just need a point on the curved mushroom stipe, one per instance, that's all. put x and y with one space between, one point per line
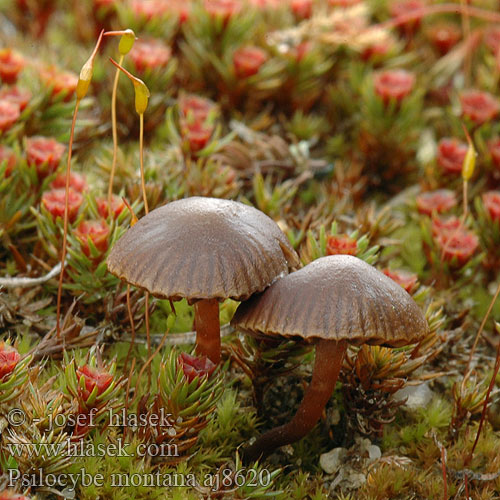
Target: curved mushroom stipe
327 365
207 325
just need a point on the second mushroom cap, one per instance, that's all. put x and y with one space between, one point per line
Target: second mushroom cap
338 297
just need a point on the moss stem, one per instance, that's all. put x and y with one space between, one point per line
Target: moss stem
132 327
141 159
66 218
115 134
148 336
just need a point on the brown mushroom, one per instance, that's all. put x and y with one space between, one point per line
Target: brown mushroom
204 250
333 301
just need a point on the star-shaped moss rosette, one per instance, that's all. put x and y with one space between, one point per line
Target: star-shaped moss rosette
468 396
335 243
45 408
270 198
12 63
249 75
451 247
23 185
49 219
189 387
90 242
93 232
197 133
213 31
157 19
14 373
208 177
389 123
92 388
45 97
373 374
57 461
307 67
16 198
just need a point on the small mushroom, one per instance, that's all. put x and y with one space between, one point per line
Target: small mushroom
333 301
205 250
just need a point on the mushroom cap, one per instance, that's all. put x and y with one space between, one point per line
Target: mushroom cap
202 248
338 297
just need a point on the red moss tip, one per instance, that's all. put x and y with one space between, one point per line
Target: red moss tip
11 64
149 54
456 245
45 153
438 201
248 60
400 8
60 82
491 38
117 206
394 84
451 155
195 108
55 199
494 149
16 95
341 245
9 357
441 225
302 8
377 50
479 106
197 135
196 366
403 278
222 9
97 231
151 9
76 181
9 114
93 377
491 201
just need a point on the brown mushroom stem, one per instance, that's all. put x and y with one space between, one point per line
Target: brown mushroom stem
329 355
207 324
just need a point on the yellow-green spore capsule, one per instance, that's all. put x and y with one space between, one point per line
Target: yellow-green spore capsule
469 163
141 96
126 42
85 78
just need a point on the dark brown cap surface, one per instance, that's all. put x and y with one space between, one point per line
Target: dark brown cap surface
336 297
202 248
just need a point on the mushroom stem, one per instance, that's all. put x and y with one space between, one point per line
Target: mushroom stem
206 319
327 364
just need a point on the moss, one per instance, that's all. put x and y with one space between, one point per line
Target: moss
309 142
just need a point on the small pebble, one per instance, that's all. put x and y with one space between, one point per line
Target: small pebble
331 462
